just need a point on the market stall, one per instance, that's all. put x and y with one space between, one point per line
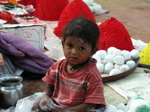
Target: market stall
116 91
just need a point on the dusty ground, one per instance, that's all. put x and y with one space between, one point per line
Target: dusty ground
134 14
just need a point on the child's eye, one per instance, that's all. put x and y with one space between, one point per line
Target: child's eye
69 45
82 48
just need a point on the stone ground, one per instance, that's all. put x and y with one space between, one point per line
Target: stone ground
134 14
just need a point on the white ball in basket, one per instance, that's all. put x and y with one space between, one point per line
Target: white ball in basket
116 52
109 58
99 60
134 54
124 68
108 67
95 56
117 66
103 62
119 111
110 50
126 54
114 72
100 67
101 54
130 63
121 106
119 59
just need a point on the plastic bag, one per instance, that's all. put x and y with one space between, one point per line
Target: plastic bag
26 104
10 109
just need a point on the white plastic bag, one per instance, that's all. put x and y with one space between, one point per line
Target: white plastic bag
26 104
10 109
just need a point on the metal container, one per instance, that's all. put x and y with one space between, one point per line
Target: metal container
11 90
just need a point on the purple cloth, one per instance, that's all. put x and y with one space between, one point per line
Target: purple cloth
24 54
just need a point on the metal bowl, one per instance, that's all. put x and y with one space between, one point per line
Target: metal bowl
10 80
11 90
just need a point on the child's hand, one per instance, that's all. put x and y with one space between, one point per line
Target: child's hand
47 104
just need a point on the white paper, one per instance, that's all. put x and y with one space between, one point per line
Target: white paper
137 83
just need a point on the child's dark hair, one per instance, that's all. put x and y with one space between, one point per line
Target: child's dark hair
82 28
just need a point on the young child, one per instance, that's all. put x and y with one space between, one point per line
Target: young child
74 83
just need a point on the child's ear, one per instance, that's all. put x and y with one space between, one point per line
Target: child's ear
94 50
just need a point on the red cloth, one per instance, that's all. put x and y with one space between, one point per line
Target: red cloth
50 9
114 34
7 17
73 89
30 2
74 9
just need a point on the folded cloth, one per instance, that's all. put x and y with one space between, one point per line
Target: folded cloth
23 54
7 17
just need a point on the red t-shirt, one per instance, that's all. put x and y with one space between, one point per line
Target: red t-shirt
71 89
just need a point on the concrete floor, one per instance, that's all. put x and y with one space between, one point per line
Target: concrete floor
134 14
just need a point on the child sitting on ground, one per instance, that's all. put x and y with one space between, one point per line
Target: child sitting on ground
74 83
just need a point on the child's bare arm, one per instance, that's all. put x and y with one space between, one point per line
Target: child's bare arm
49 90
1 60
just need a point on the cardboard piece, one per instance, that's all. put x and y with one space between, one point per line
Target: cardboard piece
112 97
33 34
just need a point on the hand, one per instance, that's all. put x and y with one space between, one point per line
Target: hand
47 104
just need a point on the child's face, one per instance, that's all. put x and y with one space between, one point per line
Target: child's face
77 50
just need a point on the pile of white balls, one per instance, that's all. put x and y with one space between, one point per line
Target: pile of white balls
115 61
119 108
